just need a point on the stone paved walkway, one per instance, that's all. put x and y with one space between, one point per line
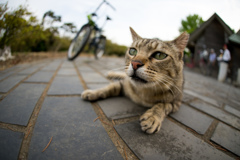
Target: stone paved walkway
43 117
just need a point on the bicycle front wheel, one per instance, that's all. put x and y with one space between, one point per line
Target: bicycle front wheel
79 42
100 47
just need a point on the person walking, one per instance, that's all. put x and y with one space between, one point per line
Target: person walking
224 61
211 61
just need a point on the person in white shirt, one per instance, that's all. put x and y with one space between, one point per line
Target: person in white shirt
224 60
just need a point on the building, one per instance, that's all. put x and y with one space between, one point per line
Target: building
213 34
234 47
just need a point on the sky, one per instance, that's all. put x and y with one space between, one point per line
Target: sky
149 18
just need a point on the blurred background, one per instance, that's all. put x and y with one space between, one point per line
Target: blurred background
33 26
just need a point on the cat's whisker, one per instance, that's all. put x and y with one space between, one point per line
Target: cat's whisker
171 83
167 87
163 81
120 68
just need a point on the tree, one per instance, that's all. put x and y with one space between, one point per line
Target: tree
21 30
52 16
69 27
13 25
191 23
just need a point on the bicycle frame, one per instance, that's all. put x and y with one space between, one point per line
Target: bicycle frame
97 31
90 34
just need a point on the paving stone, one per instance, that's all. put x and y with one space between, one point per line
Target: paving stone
227 137
65 86
69 121
10 82
67 72
17 107
171 142
204 98
217 113
14 68
234 103
6 74
40 76
120 107
105 71
10 143
193 119
29 70
187 97
96 85
84 68
232 110
67 64
51 67
93 78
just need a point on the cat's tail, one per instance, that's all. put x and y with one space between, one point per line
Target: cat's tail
116 75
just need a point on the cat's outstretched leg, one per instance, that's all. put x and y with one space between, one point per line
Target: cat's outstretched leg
116 75
151 120
113 89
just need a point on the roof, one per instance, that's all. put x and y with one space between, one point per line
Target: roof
198 31
235 37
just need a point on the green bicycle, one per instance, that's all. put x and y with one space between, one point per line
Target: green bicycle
89 33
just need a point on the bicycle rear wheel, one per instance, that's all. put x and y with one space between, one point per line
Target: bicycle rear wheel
79 42
100 47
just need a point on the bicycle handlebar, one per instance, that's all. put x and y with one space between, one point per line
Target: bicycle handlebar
104 1
110 5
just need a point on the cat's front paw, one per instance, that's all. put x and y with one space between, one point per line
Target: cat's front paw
92 95
89 95
150 122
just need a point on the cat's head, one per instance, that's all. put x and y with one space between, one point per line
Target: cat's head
153 61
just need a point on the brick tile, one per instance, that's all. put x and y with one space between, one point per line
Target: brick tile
52 66
187 97
10 143
193 119
217 113
67 72
29 70
67 64
65 86
204 98
69 120
96 85
172 142
232 110
40 76
120 107
93 78
84 68
18 106
10 82
227 137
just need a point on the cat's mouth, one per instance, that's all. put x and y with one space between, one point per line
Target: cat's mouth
138 79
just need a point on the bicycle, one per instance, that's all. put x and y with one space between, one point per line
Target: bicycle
89 33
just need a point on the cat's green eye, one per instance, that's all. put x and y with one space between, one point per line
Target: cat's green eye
159 55
132 51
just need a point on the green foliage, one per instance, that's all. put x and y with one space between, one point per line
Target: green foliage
52 16
21 30
69 27
191 23
115 49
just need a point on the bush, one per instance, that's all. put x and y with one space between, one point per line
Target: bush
115 49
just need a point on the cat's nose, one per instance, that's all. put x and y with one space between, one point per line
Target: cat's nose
136 64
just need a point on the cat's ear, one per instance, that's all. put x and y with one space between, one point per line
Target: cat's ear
181 42
135 36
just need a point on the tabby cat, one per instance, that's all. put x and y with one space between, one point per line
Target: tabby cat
153 78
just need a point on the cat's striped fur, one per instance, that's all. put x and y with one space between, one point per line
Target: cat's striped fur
149 81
